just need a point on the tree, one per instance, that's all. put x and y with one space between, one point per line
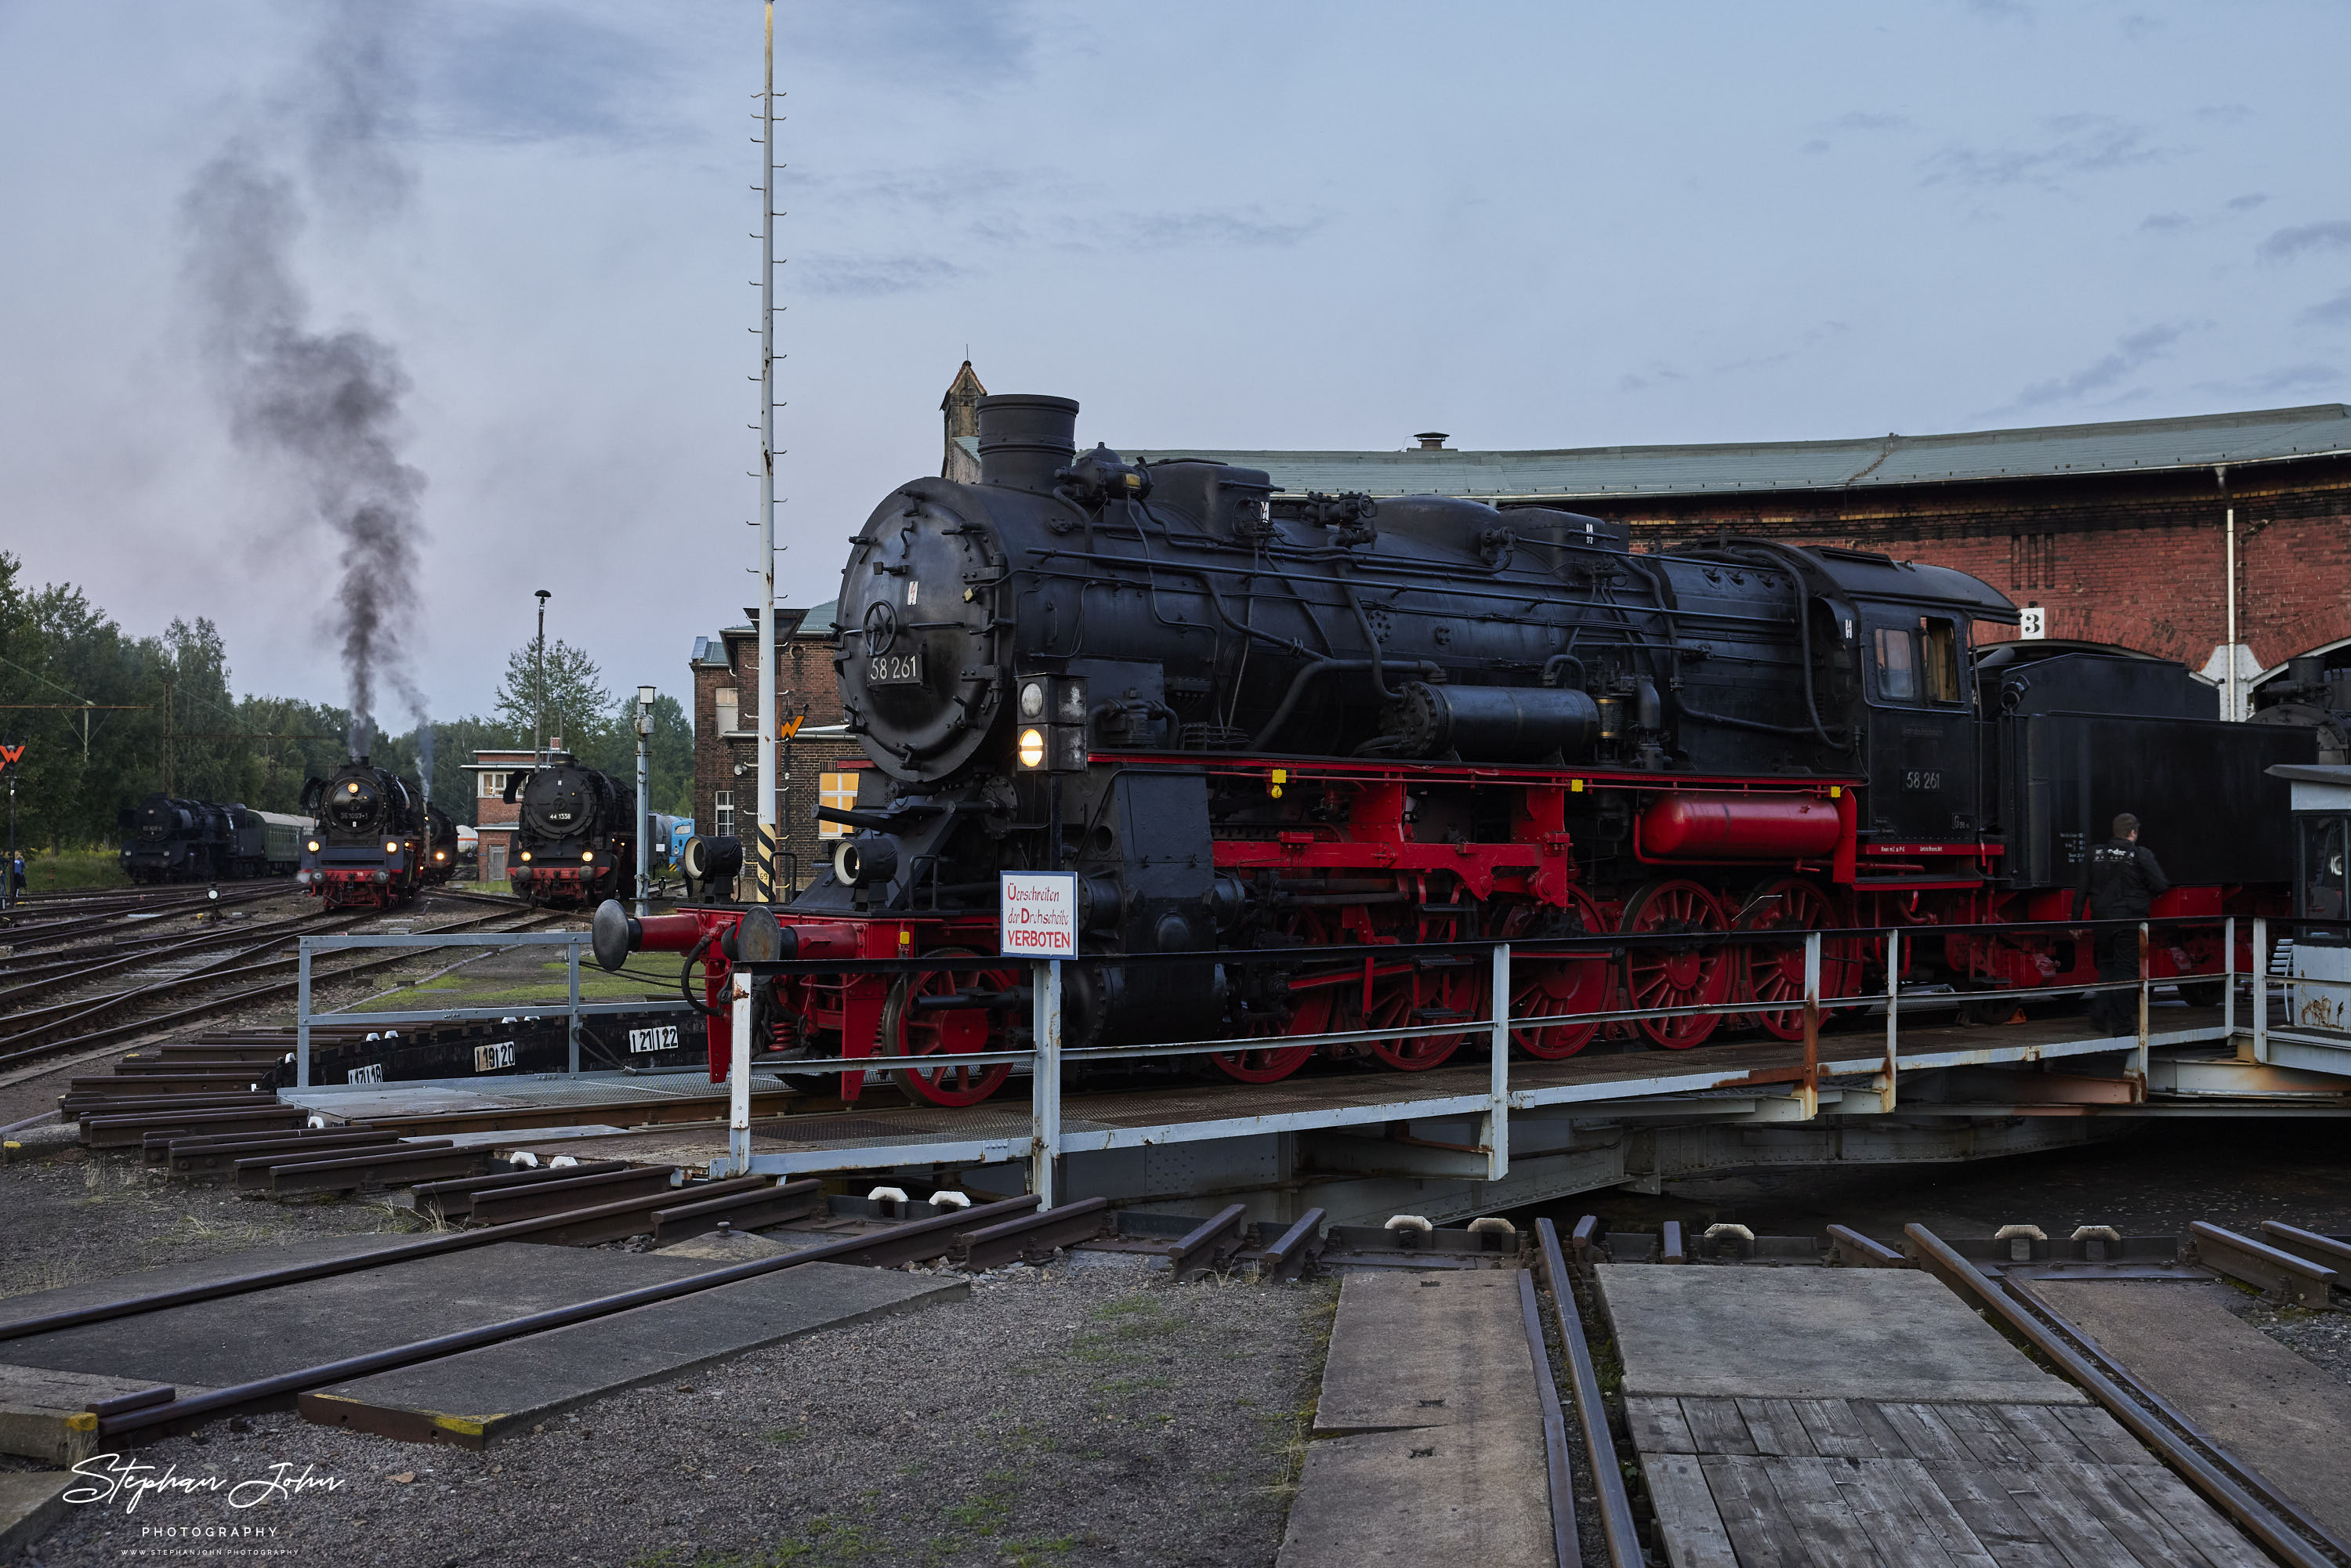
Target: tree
578 705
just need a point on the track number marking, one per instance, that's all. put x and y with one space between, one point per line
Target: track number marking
490 1058
372 1073
660 1038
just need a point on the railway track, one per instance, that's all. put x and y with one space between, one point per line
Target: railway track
24 927
106 1015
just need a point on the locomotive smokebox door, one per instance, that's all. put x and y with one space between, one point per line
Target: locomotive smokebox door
922 679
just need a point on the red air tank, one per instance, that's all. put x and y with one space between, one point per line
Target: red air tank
1702 827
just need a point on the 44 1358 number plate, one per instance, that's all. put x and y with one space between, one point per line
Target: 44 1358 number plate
894 670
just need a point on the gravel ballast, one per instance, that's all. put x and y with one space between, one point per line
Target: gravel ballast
1064 1416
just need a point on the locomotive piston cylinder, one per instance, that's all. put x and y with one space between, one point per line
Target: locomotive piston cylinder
1493 723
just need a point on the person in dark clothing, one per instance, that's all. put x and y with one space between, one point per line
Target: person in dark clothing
2124 881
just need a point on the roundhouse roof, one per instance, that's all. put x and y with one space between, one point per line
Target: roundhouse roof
2139 445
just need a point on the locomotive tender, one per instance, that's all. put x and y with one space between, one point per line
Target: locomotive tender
166 839
575 843
376 842
1341 724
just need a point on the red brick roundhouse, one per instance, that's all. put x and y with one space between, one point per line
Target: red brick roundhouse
727 733
2117 532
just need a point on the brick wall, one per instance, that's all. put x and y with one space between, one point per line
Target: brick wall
2138 559
809 687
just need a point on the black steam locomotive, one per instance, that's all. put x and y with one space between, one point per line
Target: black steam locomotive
576 843
166 839
376 842
1245 723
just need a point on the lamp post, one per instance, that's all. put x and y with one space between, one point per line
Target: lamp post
538 708
644 810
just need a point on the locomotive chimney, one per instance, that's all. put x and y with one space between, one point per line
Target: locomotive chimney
1024 438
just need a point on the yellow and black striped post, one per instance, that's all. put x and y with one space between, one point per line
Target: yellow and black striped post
764 869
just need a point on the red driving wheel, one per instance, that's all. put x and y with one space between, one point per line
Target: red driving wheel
1566 986
1679 974
910 1029
1310 1005
1774 973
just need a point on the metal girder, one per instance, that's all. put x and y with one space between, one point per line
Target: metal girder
1209 1246
531 1199
742 1211
1032 1236
2276 1272
1295 1251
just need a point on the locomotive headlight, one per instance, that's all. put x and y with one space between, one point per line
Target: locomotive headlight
526 857
440 854
391 847
1032 702
313 846
1031 750
354 789
586 857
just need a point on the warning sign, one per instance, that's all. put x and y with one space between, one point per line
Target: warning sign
1040 914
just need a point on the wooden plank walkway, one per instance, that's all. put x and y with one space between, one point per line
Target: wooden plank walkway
1854 1418
1850 1482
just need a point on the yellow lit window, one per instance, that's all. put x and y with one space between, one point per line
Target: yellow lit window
838 790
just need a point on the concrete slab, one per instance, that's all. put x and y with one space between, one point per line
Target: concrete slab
149 1281
473 1399
2275 1411
37 1406
1470 1494
1893 1335
1427 1350
265 1333
718 1248
30 1501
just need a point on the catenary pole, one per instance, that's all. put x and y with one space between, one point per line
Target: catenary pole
764 871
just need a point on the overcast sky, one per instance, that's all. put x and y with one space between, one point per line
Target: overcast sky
1257 226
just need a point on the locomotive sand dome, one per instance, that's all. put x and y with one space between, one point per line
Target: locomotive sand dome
1331 725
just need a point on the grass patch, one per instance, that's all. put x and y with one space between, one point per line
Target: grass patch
786 1434
73 868
1029 1553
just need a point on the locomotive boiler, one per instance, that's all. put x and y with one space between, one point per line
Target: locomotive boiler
575 843
1333 723
373 846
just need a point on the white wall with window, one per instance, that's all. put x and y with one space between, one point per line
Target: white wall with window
722 812
494 784
729 704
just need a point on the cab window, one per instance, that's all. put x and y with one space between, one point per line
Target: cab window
1939 643
1897 672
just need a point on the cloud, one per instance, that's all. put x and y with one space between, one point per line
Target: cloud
1656 374
868 275
2082 144
2307 377
2334 312
949 44
2168 223
544 75
1857 119
2001 10
2225 113
2132 353
1812 338
2139 25
2286 244
2246 203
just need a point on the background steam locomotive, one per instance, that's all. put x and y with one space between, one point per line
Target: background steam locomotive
165 839
376 842
575 843
1347 725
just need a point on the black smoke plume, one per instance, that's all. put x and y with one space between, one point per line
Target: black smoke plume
322 406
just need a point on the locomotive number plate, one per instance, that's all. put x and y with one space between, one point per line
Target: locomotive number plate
894 670
490 1058
662 1038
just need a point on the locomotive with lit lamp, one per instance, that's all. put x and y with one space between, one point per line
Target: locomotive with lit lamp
375 842
575 841
1333 726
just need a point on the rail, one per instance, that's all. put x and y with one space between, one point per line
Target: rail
1046 1058
573 1008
